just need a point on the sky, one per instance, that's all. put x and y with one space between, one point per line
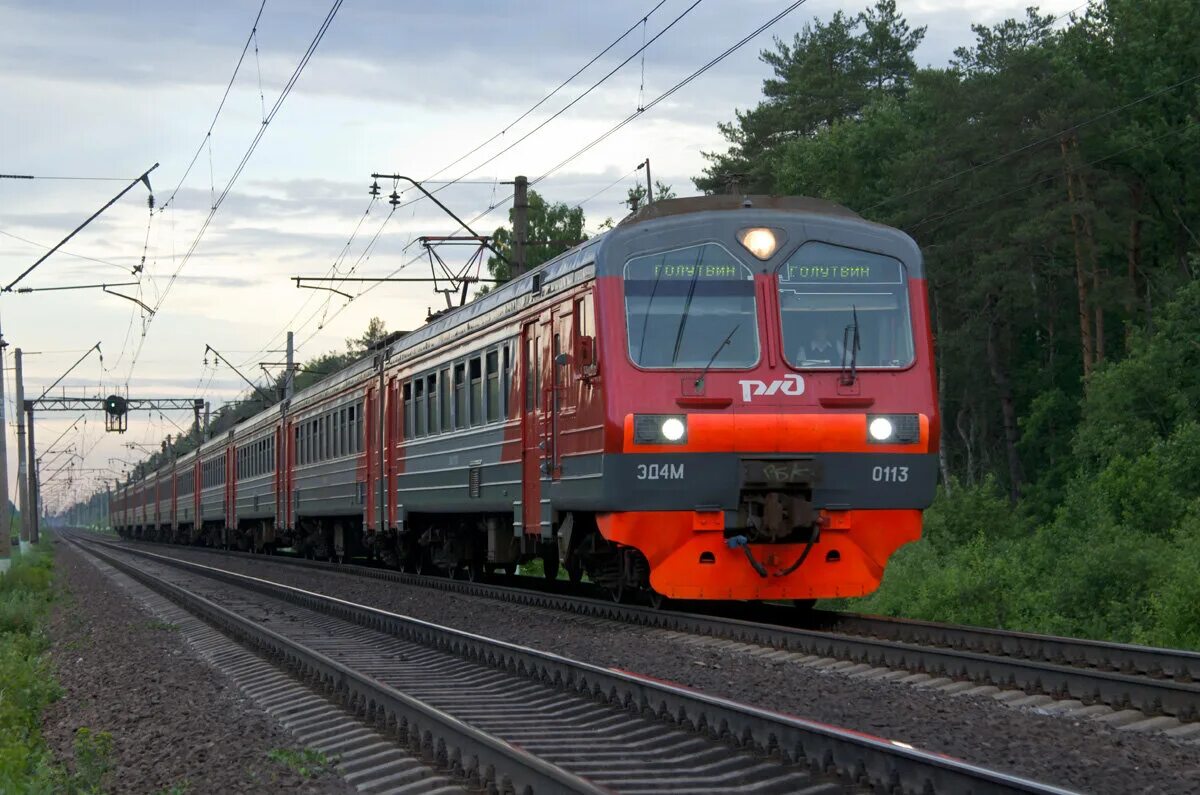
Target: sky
108 89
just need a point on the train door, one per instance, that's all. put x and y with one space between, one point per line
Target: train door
562 392
533 439
371 426
285 463
392 446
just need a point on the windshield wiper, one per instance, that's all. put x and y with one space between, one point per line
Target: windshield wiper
646 317
700 379
687 305
850 343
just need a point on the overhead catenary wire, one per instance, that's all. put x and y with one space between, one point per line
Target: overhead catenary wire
574 101
462 179
606 188
262 129
81 179
504 130
43 246
220 107
672 90
587 147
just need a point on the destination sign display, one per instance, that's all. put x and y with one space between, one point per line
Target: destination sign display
871 270
817 262
699 263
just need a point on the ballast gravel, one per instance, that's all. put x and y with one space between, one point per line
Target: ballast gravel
177 724
1080 754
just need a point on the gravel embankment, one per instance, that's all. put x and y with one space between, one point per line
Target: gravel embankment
1079 754
177 723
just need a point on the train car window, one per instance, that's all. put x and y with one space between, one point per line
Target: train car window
418 401
828 292
460 396
687 307
431 396
408 411
328 435
344 437
358 430
445 399
476 391
505 379
492 363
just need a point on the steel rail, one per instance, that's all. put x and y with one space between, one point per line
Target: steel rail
1155 662
884 765
1086 670
476 754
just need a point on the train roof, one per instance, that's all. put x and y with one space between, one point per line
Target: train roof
698 204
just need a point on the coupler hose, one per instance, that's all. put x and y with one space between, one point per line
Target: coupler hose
800 560
744 543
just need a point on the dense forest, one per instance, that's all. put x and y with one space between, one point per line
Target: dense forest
1049 174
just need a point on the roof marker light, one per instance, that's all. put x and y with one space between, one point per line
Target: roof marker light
759 241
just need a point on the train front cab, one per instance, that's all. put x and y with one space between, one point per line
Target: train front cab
772 392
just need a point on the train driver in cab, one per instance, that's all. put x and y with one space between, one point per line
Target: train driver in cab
820 348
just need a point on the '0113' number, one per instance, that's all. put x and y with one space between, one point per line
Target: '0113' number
889 474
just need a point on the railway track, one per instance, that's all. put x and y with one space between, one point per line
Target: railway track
511 718
1155 682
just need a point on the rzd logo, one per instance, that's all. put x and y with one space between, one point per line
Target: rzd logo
792 385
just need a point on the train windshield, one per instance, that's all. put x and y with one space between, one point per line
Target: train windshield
826 291
687 307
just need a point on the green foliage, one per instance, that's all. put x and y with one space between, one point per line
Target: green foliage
26 682
93 762
635 197
305 762
553 229
1036 240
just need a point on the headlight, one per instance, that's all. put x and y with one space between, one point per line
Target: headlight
659 429
760 241
880 429
673 429
893 428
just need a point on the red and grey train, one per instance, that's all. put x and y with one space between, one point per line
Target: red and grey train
724 397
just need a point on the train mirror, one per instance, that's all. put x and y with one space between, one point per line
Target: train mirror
562 360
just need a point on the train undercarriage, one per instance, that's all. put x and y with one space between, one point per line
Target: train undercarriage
467 546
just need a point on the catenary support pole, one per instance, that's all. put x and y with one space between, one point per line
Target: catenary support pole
5 515
33 478
520 226
22 486
289 377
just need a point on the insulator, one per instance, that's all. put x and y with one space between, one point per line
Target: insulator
374 188
394 199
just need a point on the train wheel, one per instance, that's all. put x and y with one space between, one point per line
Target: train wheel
574 570
475 571
550 566
617 592
657 600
